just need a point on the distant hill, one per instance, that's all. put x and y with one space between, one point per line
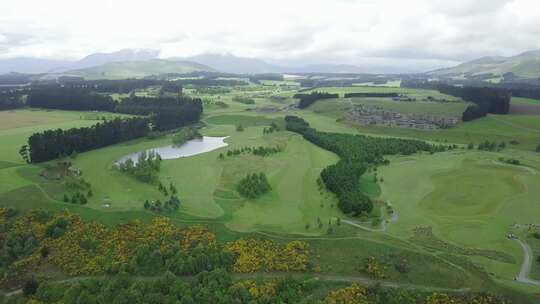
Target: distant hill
524 65
233 64
138 69
38 66
242 65
119 56
31 65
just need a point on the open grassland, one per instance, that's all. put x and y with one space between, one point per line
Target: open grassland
468 199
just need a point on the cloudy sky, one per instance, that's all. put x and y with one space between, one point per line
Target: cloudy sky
423 32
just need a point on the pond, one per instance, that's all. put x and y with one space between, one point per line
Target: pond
190 148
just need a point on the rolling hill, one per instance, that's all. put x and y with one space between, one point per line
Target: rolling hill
524 65
138 69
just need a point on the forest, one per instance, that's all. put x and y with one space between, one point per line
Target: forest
51 144
486 100
356 153
73 99
147 105
10 101
121 86
307 99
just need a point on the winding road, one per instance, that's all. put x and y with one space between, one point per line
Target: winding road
523 275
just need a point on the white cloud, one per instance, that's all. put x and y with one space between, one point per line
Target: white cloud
344 31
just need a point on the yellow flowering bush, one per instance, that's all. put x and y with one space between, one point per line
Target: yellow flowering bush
264 255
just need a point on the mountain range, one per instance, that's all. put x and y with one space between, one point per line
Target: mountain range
524 65
145 62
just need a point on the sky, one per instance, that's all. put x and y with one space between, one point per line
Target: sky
411 32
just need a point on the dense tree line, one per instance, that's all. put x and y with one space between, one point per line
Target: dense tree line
367 94
9 101
356 153
208 79
486 99
121 86
305 100
51 144
167 113
148 105
253 185
69 99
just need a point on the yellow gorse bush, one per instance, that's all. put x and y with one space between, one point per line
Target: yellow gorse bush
90 248
264 255
354 294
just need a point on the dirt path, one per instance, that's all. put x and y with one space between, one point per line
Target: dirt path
321 277
384 223
523 275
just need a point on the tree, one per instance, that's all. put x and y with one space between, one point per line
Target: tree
23 152
470 146
538 148
172 188
90 193
30 286
253 185
66 198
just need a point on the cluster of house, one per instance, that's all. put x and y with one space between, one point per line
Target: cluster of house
375 115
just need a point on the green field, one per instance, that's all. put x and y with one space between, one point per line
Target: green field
468 199
526 101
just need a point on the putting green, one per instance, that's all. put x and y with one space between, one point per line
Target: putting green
473 189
